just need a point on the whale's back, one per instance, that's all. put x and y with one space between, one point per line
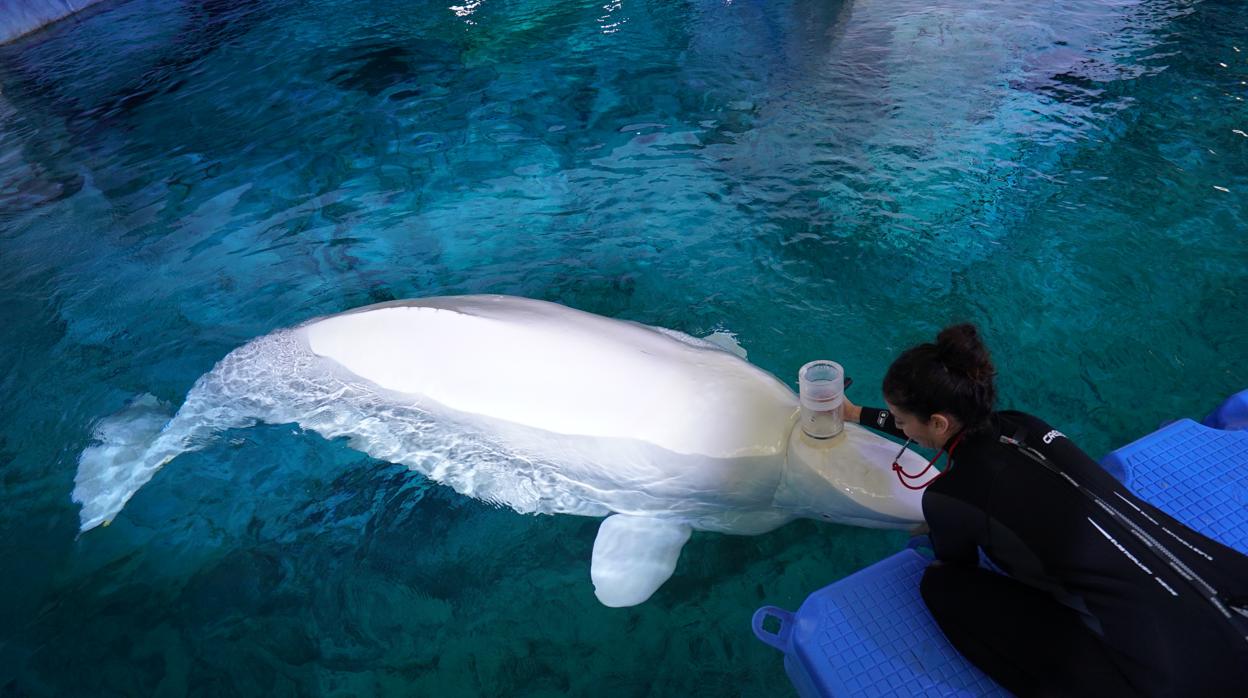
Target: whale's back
550 367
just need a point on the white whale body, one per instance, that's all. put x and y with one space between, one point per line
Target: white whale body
537 406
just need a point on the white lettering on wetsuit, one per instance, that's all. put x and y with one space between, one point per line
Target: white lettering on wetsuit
1132 558
1166 586
1121 549
1052 436
1143 513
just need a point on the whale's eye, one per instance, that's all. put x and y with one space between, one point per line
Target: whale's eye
827 516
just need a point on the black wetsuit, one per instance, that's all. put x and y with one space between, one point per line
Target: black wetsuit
1085 607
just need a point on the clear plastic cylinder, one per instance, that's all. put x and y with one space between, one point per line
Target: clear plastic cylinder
821 392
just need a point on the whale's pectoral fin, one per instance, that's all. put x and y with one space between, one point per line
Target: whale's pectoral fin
633 556
728 342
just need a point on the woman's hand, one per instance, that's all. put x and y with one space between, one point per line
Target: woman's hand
851 412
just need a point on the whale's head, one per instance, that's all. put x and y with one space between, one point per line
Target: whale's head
849 480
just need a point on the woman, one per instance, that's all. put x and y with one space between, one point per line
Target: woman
1085 606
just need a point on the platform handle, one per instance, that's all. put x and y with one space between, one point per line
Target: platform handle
779 639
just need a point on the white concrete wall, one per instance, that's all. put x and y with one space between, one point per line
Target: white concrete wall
18 17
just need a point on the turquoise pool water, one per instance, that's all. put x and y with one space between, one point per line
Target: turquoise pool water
823 179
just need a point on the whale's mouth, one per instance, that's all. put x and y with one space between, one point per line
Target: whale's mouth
847 479
809 496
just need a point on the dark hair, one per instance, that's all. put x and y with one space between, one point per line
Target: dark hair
954 376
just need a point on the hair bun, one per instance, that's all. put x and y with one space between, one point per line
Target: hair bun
960 349
953 375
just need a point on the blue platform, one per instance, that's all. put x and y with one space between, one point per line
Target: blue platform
870 634
1194 473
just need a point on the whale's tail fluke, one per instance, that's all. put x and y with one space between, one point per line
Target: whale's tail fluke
130 445
113 468
273 378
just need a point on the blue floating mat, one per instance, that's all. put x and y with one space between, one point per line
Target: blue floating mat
1196 474
870 634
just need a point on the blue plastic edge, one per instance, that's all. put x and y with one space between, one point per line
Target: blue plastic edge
1231 415
801 680
1118 461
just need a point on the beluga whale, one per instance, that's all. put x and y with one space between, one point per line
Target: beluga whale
545 409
